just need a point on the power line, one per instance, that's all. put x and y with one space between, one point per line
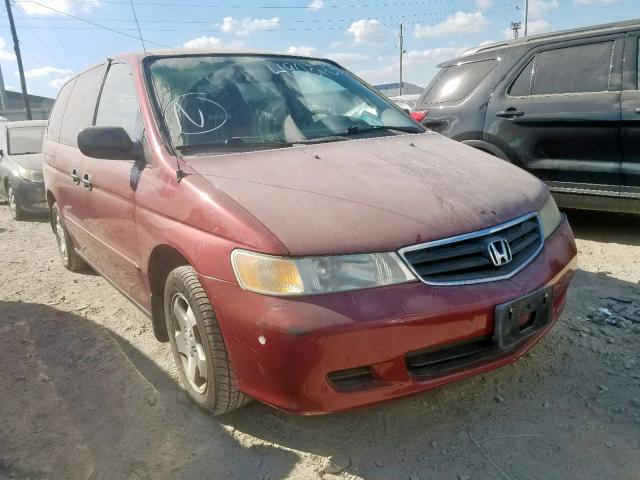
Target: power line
104 27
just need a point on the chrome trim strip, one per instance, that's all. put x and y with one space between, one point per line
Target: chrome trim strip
467 236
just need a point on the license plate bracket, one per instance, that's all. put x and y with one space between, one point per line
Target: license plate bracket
520 318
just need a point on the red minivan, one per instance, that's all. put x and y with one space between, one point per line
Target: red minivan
294 235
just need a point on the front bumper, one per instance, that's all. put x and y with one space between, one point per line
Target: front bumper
283 349
31 197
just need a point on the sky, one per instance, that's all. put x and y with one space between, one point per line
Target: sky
57 40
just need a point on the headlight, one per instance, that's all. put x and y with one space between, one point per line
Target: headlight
30 175
314 275
550 217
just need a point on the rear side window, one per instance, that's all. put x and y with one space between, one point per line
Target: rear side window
82 105
57 112
583 68
118 102
456 82
522 86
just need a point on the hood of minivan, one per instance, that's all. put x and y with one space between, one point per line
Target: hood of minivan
30 161
373 194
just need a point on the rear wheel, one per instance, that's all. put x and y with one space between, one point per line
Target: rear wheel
70 259
16 211
197 344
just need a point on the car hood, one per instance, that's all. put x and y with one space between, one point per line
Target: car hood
373 194
30 161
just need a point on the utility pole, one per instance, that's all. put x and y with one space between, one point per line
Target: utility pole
16 47
526 16
401 52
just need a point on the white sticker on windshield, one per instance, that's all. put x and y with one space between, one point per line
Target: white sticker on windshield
289 68
196 114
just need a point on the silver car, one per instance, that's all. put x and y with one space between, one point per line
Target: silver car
21 181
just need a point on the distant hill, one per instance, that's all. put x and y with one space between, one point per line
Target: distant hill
393 89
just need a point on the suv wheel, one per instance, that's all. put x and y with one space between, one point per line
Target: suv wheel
197 344
16 212
70 259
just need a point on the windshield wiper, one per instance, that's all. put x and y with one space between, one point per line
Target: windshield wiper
357 129
232 142
255 141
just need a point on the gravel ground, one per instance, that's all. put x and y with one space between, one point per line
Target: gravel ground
87 392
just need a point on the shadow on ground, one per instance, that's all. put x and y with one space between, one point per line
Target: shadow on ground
74 406
81 402
605 226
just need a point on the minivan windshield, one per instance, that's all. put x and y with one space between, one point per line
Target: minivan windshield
24 140
241 103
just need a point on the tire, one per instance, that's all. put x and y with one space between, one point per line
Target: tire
70 259
16 211
197 344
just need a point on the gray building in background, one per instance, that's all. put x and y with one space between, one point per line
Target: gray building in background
14 106
393 89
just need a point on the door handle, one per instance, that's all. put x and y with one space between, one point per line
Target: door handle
86 181
638 111
75 178
509 113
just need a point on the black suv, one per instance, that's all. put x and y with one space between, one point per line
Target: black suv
565 106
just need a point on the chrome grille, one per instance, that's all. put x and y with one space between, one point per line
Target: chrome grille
467 259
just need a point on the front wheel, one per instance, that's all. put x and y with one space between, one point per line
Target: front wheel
16 211
70 259
197 344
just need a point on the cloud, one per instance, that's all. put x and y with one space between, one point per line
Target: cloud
47 72
483 4
431 55
302 50
337 44
210 42
367 31
460 23
345 58
56 76
59 82
66 6
316 5
535 27
539 8
247 26
595 2
5 54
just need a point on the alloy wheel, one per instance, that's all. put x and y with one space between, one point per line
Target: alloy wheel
11 194
61 238
189 343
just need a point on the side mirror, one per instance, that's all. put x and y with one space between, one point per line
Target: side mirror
109 143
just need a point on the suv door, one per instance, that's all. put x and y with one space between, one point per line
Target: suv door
630 192
70 191
557 114
110 202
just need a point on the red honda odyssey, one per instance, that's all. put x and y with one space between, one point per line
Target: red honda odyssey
295 236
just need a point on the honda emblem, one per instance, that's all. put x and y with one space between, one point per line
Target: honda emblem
499 252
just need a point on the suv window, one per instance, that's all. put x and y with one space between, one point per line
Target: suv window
118 105
456 82
57 113
83 104
522 86
582 68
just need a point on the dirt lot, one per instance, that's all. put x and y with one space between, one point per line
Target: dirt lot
87 392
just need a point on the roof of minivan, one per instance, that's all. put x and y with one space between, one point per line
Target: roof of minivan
210 51
552 36
26 123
